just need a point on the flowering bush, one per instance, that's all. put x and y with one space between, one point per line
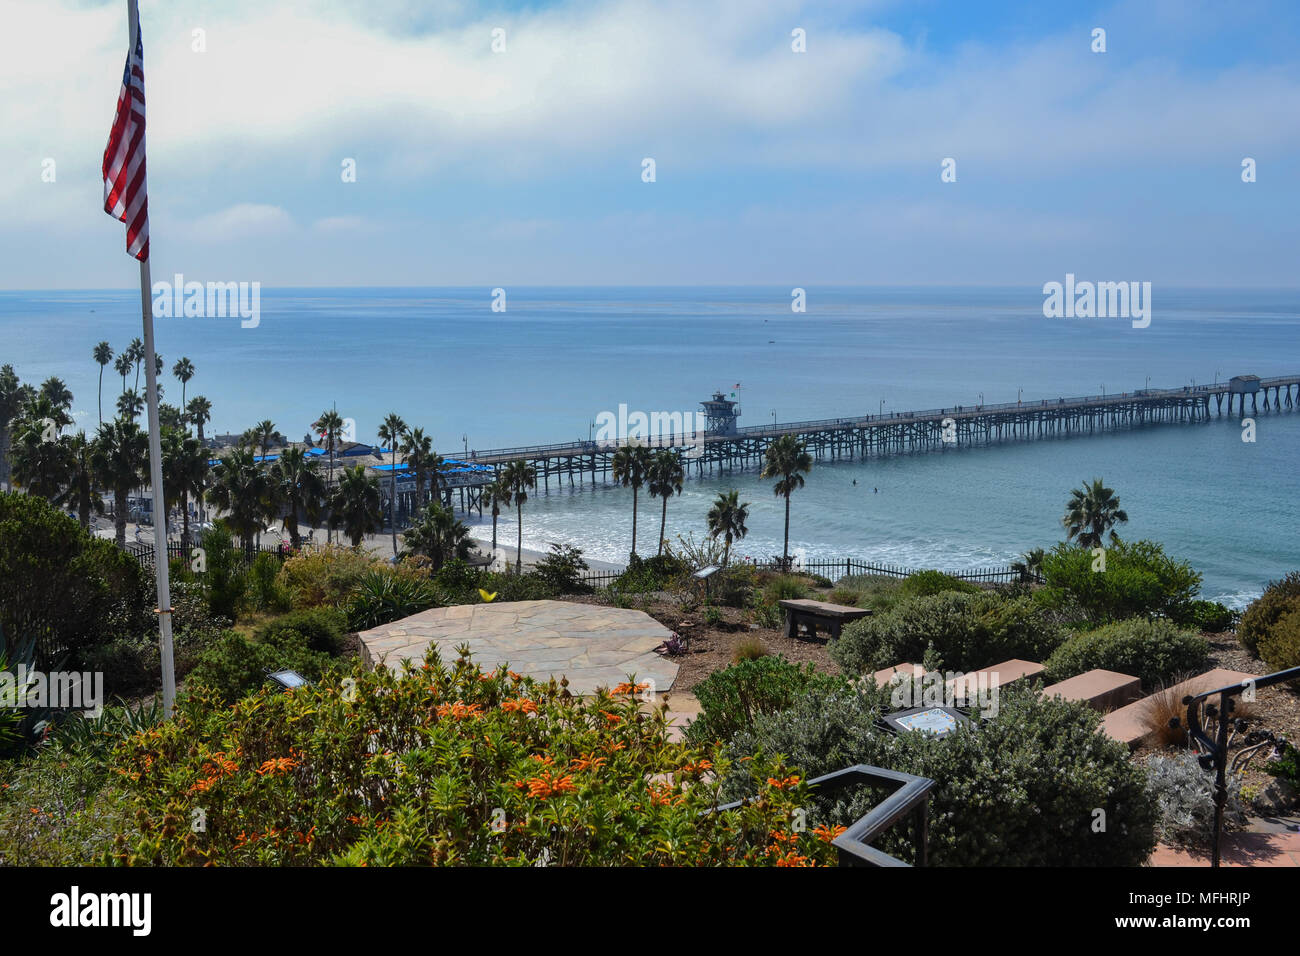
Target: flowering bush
444 764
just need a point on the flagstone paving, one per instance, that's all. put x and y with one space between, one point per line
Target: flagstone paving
1268 841
592 646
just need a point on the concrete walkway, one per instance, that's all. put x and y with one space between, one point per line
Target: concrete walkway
592 646
1270 841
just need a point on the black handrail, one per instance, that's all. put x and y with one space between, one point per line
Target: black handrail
1216 755
911 795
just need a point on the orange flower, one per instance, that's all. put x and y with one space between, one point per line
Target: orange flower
523 705
662 795
612 719
828 833
782 784
548 785
203 785
629 688
277 765
588 762
458 710
793 859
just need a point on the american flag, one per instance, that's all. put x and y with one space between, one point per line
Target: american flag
125 196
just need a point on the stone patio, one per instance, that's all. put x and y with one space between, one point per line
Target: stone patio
592 646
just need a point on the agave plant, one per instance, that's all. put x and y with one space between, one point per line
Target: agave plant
381 598
98 735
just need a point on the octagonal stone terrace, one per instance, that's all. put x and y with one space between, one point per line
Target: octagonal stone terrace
592 646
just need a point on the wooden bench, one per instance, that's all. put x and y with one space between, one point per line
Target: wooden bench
811 613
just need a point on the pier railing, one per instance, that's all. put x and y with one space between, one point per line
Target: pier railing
835 568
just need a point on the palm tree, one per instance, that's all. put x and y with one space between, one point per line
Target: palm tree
136 353
297 486
183 370
787 460
103 355
391 431
664 479
185 473
240 488
1092 511
123 367
498 494
13 395
439 535
1029 565
262 434
199 411
517 478
119 459
129 405
80 479
330 426
40 466
56 392
727 519
356 504
418 451
631 462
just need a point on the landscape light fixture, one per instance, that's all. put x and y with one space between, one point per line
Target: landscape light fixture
288 679
937 720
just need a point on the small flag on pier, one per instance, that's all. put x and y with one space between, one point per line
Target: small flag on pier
125 196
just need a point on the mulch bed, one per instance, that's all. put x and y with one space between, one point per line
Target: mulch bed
713 646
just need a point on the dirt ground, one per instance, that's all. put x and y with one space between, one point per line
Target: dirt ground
713 646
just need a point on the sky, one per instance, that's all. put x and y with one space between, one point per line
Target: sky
524 165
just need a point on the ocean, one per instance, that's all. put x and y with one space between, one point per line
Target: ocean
544 369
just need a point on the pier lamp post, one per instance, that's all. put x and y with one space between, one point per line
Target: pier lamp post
1103 389
774 418
465 440
1019 392
882 407
1148 384
981 399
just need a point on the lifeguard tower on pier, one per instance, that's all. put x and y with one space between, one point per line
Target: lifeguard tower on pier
720 414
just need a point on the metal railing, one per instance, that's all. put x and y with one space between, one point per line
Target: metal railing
910 797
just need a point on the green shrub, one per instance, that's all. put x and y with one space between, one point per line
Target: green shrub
458 581
731 698
927 583
236 666
769 616
325 577
225 577
1279 598
63 589
263 589
321 629
1139 580
785 587
845 596
1280 647
955 631
561 570
59 809
661 573
877 592
381 597
441 764
734 586
1210 617
1153 651
1019 789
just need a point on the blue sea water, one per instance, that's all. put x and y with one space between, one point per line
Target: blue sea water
557 357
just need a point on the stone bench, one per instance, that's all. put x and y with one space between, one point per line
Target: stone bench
1129 724
884 677
1007 672
812 613
1100 689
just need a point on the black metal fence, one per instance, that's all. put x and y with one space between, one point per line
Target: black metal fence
844 567
144 553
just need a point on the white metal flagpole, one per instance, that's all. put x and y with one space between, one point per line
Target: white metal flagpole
164 610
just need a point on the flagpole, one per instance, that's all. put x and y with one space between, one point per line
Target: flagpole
164 609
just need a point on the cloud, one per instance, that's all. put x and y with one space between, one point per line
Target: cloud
241 222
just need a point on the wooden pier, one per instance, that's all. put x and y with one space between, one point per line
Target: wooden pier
731 448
